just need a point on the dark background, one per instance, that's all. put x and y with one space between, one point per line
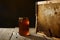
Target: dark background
11 10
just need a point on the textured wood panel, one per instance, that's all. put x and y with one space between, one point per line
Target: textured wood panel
5 33
12 34
49 18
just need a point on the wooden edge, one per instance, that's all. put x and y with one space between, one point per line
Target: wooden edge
46 2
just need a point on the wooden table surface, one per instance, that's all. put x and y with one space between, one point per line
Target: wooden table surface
12 34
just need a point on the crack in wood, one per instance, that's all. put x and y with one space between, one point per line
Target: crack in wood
11 36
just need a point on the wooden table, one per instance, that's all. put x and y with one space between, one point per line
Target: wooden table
12 34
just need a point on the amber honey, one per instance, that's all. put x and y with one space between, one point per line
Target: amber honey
24 27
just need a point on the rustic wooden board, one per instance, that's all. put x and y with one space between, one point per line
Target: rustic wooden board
48 18
5 33
12 34
16 36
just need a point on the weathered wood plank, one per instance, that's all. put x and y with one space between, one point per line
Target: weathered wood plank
5 33
48 18
16 36
12 34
